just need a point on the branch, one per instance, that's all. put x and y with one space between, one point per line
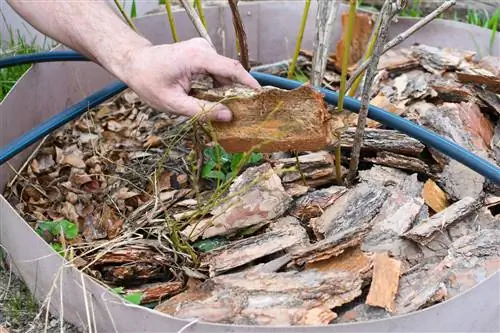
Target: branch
193 16
388 10
325 18
241 38
401 37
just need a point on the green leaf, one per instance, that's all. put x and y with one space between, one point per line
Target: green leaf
69 229
58 248
236 160
209 153
210 244
134 298
214 174
133 10
207 168
256 157
118 290
44 227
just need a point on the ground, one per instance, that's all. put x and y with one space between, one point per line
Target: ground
18 309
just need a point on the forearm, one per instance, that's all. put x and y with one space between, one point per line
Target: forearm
91 28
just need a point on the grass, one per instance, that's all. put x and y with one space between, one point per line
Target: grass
9 76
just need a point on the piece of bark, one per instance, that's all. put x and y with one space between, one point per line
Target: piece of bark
256 196
491 100
383 140
314 203
399 162
452 91
353 260
396 216
344 224
411 85
434 196
132 253
425 231
352 210
361 313
477 125
384 103
397 61
246 250
296 190
472 259
155 292
436 60
271 120
251 298
381 175
495 143
419 288
385 282
491 64
291 225
490 83
317 169
460 181
363 25
273 265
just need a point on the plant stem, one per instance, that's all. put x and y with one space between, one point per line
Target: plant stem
305 13
195 19
125 16
325 18
388 11
343 79
241 38
199 7
401 37
168 7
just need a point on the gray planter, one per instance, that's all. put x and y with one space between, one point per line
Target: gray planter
48 88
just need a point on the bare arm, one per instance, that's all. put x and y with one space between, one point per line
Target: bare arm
160 74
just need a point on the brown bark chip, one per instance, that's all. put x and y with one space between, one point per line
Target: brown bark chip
384 287
272 119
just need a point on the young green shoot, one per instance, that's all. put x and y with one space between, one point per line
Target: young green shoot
305 13
171 21
199 8
343 79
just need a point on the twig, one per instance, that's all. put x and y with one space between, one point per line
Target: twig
305 13
168 7
193 16
343 78
241 38
325 18
388 10
125 16
401 37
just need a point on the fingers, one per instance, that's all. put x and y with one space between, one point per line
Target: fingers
190 106
227 70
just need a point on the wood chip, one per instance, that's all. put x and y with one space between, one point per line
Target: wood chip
399 162
383 140
434 196
385 282
490 83
344 224
267 298
360 36
271 120
425 231
397 61
314 203
352 260
154 292
248 249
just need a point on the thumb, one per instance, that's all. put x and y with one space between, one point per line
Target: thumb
189 106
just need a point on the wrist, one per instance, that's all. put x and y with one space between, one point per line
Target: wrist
118 58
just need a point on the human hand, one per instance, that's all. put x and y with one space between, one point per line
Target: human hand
161 75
